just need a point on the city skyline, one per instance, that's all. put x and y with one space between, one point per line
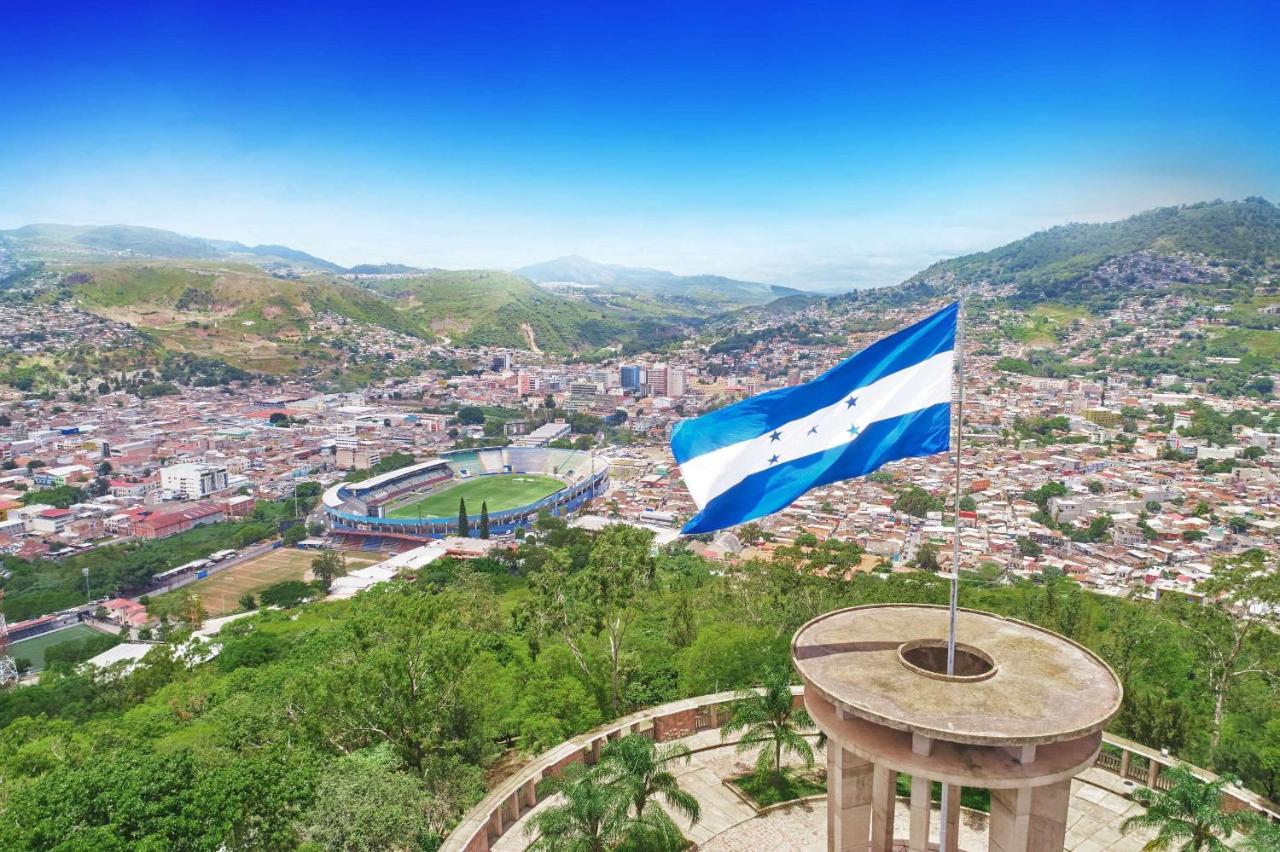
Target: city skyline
815 148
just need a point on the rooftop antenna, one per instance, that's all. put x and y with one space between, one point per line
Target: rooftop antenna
955 545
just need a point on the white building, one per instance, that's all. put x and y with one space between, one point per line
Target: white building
192 481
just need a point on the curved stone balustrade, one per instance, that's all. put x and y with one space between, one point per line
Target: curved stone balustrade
515 796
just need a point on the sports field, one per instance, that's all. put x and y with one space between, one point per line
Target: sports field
221 592
500 492
33 649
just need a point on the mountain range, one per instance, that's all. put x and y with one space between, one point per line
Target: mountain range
253 305
125 241
712 289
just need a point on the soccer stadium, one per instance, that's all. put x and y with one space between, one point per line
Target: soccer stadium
421 501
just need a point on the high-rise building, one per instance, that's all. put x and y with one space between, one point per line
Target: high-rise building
632 377
675 381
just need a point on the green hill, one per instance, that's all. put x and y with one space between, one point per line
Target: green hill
1077 262
714 290
231 311
492 308
71 242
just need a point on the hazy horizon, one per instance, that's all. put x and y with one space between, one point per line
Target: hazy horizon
818 148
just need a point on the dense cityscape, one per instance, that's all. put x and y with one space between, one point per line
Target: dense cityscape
639 427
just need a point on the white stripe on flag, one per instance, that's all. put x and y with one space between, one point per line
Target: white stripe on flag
912 389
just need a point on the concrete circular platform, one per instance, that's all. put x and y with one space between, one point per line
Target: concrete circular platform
1027 686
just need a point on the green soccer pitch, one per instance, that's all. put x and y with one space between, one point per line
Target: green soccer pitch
500 492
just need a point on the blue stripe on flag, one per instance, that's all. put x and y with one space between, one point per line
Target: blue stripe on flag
758 415
920 433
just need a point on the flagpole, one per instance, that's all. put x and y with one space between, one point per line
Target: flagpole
955 549
946 802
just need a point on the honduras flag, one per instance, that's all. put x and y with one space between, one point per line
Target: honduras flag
890 401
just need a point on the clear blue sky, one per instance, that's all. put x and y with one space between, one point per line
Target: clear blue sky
809 143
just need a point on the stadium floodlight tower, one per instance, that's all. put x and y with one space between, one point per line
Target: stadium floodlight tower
1021 714
8 668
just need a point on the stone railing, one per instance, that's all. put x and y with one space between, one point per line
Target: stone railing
517 795
1145 767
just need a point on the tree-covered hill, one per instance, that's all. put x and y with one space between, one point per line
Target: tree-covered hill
1186 244
373 723
488 307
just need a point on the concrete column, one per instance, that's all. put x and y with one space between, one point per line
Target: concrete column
1153 772
849 783
952 792
883 789
920 807
530 793
1125 757
512 808
1030 819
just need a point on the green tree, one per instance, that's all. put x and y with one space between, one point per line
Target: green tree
471 415
601 600
1189 815
286 593
1030 547
363 804
419 653
636 767
293 535
60 497
1265 837
464 523
769 717
248 602
484 519
914 500
589 820
927 556
329 566
1227 629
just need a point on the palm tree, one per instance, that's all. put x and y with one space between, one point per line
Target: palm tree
593 817
769 715
1265 837
1188 816
636 767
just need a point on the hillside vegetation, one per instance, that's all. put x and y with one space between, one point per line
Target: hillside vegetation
373 723
236 312
1214 239
486 307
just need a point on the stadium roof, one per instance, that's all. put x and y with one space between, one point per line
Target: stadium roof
332 500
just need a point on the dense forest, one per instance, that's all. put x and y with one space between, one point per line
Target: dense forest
375 722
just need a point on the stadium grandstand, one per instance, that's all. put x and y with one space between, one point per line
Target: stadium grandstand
422 501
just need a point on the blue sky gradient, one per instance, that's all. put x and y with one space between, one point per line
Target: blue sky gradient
816 144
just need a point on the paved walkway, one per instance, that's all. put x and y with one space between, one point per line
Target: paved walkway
729 825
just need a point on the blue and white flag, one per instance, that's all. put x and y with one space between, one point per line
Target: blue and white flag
890 401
